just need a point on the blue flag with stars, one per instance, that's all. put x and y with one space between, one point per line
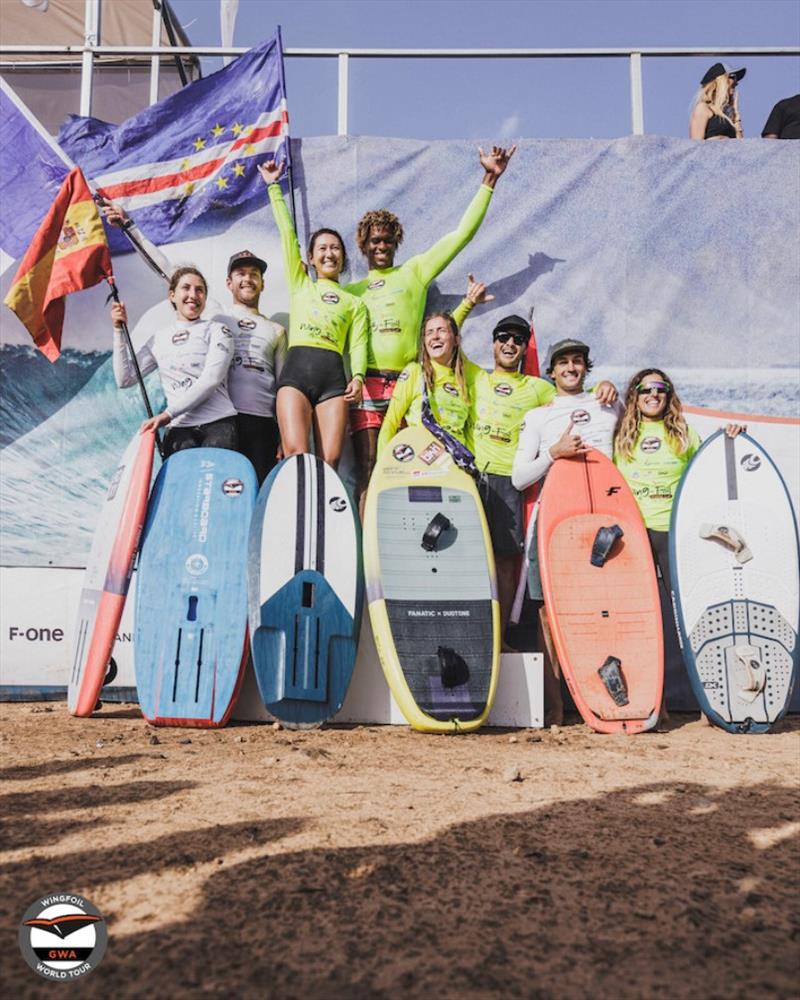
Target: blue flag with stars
193 154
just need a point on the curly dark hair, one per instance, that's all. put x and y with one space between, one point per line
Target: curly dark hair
378 217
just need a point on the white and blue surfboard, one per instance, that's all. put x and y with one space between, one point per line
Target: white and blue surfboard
190 642
305 591
734 557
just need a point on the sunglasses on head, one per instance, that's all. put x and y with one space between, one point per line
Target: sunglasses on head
654 388
520 339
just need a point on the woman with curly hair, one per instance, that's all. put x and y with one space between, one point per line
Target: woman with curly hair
653 445
715 109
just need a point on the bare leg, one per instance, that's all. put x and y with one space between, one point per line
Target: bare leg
294 420
330 423
553 704
507 574
365 446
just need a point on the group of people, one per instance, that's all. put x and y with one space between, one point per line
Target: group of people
363 354
715 109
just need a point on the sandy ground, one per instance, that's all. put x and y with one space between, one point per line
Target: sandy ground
377 862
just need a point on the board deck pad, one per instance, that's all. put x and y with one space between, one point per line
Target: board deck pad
434 613
108 573
191 598
600 611
305 591
737 619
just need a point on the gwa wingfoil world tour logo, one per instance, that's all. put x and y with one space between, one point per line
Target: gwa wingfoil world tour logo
63 936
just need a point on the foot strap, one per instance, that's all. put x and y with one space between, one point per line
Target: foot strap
452 667
437 525
604 542
611 675
729 537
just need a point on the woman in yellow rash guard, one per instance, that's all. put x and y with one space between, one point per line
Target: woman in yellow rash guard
395 297
441 369
324 319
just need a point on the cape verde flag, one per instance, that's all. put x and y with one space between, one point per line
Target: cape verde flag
194 153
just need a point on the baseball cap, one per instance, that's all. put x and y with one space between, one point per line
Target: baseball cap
246 258
512 323
721 69
565 347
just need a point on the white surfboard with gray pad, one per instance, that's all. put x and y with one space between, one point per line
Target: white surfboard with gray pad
734 558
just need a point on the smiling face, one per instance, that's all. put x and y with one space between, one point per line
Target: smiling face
652 396
381 247
246 284
327 256
509 349
189 296
440 340
569 371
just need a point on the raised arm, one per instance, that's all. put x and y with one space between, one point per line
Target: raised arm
433 261
292 261
124 368
477 293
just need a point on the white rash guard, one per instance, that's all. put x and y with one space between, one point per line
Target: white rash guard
259 353
192 361
542 427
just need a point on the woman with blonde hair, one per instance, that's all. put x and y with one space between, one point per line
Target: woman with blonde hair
715 109
433 391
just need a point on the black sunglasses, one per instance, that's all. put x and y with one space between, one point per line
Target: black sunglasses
654 388
520 339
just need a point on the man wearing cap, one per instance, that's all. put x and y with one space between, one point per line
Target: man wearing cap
498 401
570 425
715 114
259 351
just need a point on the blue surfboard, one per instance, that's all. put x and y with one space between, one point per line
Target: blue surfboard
305 591
190 641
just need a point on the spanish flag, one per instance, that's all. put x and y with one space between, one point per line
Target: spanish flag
68 253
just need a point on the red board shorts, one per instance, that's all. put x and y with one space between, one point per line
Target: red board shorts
378 388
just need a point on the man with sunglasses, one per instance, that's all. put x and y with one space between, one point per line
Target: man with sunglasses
498 401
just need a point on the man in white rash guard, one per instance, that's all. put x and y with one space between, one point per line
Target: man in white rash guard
568 426
259 351
257 360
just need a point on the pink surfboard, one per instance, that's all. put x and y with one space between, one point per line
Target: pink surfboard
108 573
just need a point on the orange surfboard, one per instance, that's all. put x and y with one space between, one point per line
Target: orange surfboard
605 616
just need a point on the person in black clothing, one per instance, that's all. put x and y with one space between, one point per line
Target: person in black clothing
784 120
715 112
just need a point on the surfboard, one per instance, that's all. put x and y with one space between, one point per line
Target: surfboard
734 559
190 623
601 594
108 574
431 585
305 591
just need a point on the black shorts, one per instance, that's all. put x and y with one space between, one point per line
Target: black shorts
217 434
503 506
315 371
258 440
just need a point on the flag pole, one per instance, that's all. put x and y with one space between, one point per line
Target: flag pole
136 368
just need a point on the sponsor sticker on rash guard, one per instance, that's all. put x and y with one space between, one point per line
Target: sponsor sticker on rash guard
503 389
581 417
331 298
450 388
650 444
247 324
180 336
373 285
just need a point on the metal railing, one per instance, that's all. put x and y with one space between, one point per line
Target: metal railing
156 52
